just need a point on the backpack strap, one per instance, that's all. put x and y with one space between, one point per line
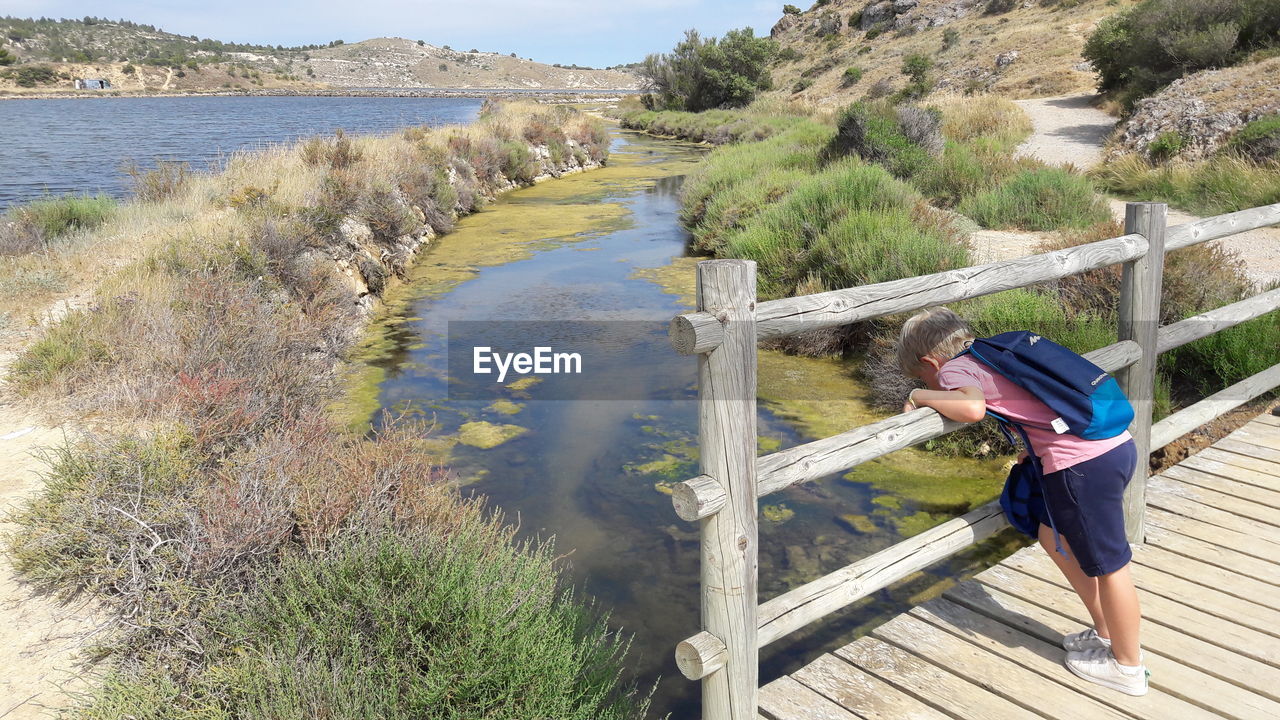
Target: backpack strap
1037 467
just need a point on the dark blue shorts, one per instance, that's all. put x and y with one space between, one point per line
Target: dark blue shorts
1086 502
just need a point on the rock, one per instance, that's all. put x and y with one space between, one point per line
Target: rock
877 13
902 6
1006 59
786 23
354 231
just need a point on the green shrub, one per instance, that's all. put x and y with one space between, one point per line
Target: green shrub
32 75
703 73
851 76
1166 145
903 139
1226 357
1157 41
128 69
917 67
1219 184
876 30
162 181
963 171
950 36
997 7
518 162
1258 140
1038 199
57 216
790 10
801 85
6 58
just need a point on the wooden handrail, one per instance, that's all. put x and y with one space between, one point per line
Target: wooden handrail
724 330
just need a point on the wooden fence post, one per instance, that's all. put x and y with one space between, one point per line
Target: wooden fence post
727 438
1139 321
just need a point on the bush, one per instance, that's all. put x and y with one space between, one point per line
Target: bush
851 76
700 74
1258 140
963 171
902 139
1157 41
1038 199
801 85
337 153
1166 145
161 182
6 58
916 67
128 69
950 36
518 162
55 217
1220 184
32 75
999 7
790 10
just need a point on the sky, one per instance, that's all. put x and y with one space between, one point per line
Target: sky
594 32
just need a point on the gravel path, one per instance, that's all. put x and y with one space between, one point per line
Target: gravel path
1068 130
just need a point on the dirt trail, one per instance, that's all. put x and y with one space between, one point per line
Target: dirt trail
1067 130
40 637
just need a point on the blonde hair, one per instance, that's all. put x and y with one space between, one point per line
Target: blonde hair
937 332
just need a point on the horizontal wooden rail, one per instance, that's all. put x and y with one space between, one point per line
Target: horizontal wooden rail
1193 416
1220 226
1207 323
796 608
697 332
702 496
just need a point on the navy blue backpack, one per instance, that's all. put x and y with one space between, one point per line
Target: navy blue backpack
1088 401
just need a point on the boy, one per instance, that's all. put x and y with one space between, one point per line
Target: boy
1083 484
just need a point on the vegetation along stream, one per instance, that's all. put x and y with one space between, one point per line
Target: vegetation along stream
594 473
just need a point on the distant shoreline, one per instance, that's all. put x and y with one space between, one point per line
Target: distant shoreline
571 94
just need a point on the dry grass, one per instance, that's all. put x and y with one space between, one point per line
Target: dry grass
1048 37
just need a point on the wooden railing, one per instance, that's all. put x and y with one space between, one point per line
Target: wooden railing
724 331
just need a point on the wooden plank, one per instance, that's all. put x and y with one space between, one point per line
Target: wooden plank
1139 316
729 539
1235 473
927 681
1178 481
1216 405
789 316
1212 616
820 458
1226 558
1179 503
866 695
1267 418
1259 434
1217 535
1211 576
1235 459
1207 323
1248 449
991 672
1223 482
1035 654
1168 674
1164 646
786 699
1220 226
809 602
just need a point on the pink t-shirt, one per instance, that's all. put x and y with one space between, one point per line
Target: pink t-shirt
1056 451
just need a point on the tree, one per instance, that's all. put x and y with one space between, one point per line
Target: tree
790 10
699 74
6 58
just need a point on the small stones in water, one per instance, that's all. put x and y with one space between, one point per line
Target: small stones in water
486 435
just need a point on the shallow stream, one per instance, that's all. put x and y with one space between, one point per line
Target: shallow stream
607 245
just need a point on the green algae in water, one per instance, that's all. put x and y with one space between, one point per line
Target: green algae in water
860 524
777 514
915 523
523 384
506 407
486 435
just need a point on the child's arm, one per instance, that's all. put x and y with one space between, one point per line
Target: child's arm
966 404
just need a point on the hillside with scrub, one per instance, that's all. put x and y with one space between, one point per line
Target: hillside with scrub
247 556
39 56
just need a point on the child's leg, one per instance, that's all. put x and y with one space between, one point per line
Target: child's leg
1086 587
1119 600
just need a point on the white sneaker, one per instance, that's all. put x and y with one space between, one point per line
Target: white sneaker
1084 640
1099 666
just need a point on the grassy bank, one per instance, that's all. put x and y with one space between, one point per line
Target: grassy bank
884 191
256 560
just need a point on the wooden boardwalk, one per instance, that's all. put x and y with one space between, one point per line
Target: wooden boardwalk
1209 581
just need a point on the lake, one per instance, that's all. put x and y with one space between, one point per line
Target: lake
82 145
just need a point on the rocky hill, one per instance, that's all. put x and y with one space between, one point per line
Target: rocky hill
1015 48
136 57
